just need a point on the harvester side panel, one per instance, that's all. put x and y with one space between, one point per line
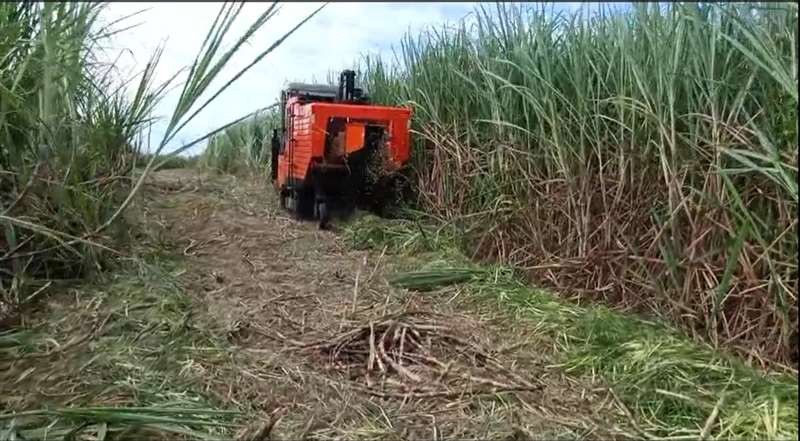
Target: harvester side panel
396 119
296 159
303 141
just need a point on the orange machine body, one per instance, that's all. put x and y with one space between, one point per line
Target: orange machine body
307 135
334 151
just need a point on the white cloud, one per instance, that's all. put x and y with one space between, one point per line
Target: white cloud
332 40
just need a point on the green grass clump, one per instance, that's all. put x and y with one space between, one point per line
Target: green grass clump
126 383
432 279
115 422
671 385
649 147
400 235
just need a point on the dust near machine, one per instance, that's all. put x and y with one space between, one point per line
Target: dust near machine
335 151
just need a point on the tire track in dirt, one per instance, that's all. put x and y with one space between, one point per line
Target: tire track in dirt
324 348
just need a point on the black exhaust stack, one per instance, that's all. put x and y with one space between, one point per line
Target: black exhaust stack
347 84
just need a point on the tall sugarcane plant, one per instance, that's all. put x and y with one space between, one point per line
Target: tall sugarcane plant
646 152
70 132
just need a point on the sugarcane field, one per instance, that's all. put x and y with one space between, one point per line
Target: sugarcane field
398 221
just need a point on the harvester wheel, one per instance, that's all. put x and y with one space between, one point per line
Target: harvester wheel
321 213
304 203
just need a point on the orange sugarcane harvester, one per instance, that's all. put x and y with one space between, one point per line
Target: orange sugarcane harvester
335 150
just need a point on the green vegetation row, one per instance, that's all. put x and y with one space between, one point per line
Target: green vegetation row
165 162
644 157
243 146
669 387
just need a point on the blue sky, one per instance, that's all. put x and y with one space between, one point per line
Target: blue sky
334 39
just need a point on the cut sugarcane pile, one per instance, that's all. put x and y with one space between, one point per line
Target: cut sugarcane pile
416 354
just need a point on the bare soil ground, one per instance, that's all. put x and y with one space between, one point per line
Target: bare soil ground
327 349
292 327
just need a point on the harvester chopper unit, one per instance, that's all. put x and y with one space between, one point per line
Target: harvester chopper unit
337 151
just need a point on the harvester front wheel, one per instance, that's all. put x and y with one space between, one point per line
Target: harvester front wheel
322 214
304 207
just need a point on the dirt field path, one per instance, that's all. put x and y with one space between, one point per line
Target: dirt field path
324 348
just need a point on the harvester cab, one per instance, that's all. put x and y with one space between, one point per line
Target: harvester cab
334 151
